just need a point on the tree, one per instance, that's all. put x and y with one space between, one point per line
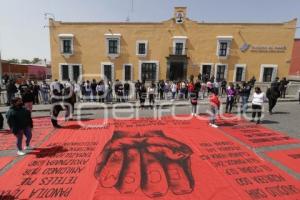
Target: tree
35 60
24 61
13 60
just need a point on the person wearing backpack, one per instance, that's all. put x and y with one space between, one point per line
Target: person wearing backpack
20 122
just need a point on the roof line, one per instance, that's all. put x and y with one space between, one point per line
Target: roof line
198 22
108 23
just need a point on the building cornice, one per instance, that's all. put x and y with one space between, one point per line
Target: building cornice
171 19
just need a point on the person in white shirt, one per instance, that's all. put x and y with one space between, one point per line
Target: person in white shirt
77 91
55 86
173 90
100 89
257 103
151 94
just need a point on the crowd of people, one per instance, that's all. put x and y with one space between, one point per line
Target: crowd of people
106 91
63 96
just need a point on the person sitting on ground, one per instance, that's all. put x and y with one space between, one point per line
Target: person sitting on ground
257 103
20 122
214 103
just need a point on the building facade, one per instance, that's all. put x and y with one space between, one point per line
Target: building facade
295 63
21 72
173 49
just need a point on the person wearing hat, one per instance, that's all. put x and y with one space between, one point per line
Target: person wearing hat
20 122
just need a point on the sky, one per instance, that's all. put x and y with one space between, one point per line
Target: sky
24 33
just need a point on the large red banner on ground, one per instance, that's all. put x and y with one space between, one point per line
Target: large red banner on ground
143 159
41 128
252 134
287 157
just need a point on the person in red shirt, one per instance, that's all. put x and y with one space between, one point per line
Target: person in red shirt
214 108
191 88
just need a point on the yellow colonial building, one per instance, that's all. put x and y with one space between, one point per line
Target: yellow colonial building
171 50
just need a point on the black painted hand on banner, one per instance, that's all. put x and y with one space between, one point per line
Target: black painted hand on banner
150 161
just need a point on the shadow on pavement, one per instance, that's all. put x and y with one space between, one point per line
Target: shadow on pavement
47 152
269 122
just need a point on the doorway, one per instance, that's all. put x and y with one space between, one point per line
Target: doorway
206 72
177 71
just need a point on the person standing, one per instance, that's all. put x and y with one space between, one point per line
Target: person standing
100 91
28 99
11 90
161 89
209 86
82 89
56 100
223 86
257 103
273 94
69 99
45 92
214 103
108 92
283 86
55 86
77 91
118 90
23 87
142 95
167 90
197 88
20 122
237 96
245 94
191 88
93 88
203 90
88 90
173 90
230 98
36 91
216 87
126 91
151 94
137 89
194 102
